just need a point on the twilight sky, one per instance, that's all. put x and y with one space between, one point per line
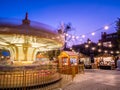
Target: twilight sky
84 15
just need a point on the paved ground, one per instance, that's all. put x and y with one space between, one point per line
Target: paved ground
96 80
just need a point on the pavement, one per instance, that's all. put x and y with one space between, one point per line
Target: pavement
95 79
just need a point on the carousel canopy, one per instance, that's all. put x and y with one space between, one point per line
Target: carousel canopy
30 33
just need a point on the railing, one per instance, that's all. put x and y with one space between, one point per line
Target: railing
45 77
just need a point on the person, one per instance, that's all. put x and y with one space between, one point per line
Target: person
116 61
118 64
80 62
96 63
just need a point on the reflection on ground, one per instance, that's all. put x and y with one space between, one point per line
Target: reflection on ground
96 80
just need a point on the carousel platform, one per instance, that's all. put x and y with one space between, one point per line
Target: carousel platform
31 76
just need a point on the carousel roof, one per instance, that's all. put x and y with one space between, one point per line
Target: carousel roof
13 31
14 26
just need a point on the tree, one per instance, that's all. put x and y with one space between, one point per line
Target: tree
66 30
118 31
67 27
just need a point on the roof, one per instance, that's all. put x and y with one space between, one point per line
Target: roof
81 55
38 35
70 53
104 55
17 27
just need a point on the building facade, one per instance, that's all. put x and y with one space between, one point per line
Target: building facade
109 43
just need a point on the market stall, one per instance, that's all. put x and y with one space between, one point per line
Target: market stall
105 62
68 59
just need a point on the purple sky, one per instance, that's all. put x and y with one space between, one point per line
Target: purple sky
84 15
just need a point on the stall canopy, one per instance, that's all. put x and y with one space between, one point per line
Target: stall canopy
68 54
105 55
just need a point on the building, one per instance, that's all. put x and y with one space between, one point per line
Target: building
86 48
109 43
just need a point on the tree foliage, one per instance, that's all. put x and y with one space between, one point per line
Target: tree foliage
67 27
118 31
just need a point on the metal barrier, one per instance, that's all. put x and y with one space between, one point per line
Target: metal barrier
45 77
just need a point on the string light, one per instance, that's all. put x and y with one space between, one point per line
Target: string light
71 48
106 27
111 52
86 46
110 45
81 40
93 33
99 44
89 42
93 48
66 34
83 36
77 37
99 50
117 52
69 36
105 51
73 37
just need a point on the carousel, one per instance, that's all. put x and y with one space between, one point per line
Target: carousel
24 39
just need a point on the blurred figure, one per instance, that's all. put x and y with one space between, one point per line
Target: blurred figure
116 61
118 64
